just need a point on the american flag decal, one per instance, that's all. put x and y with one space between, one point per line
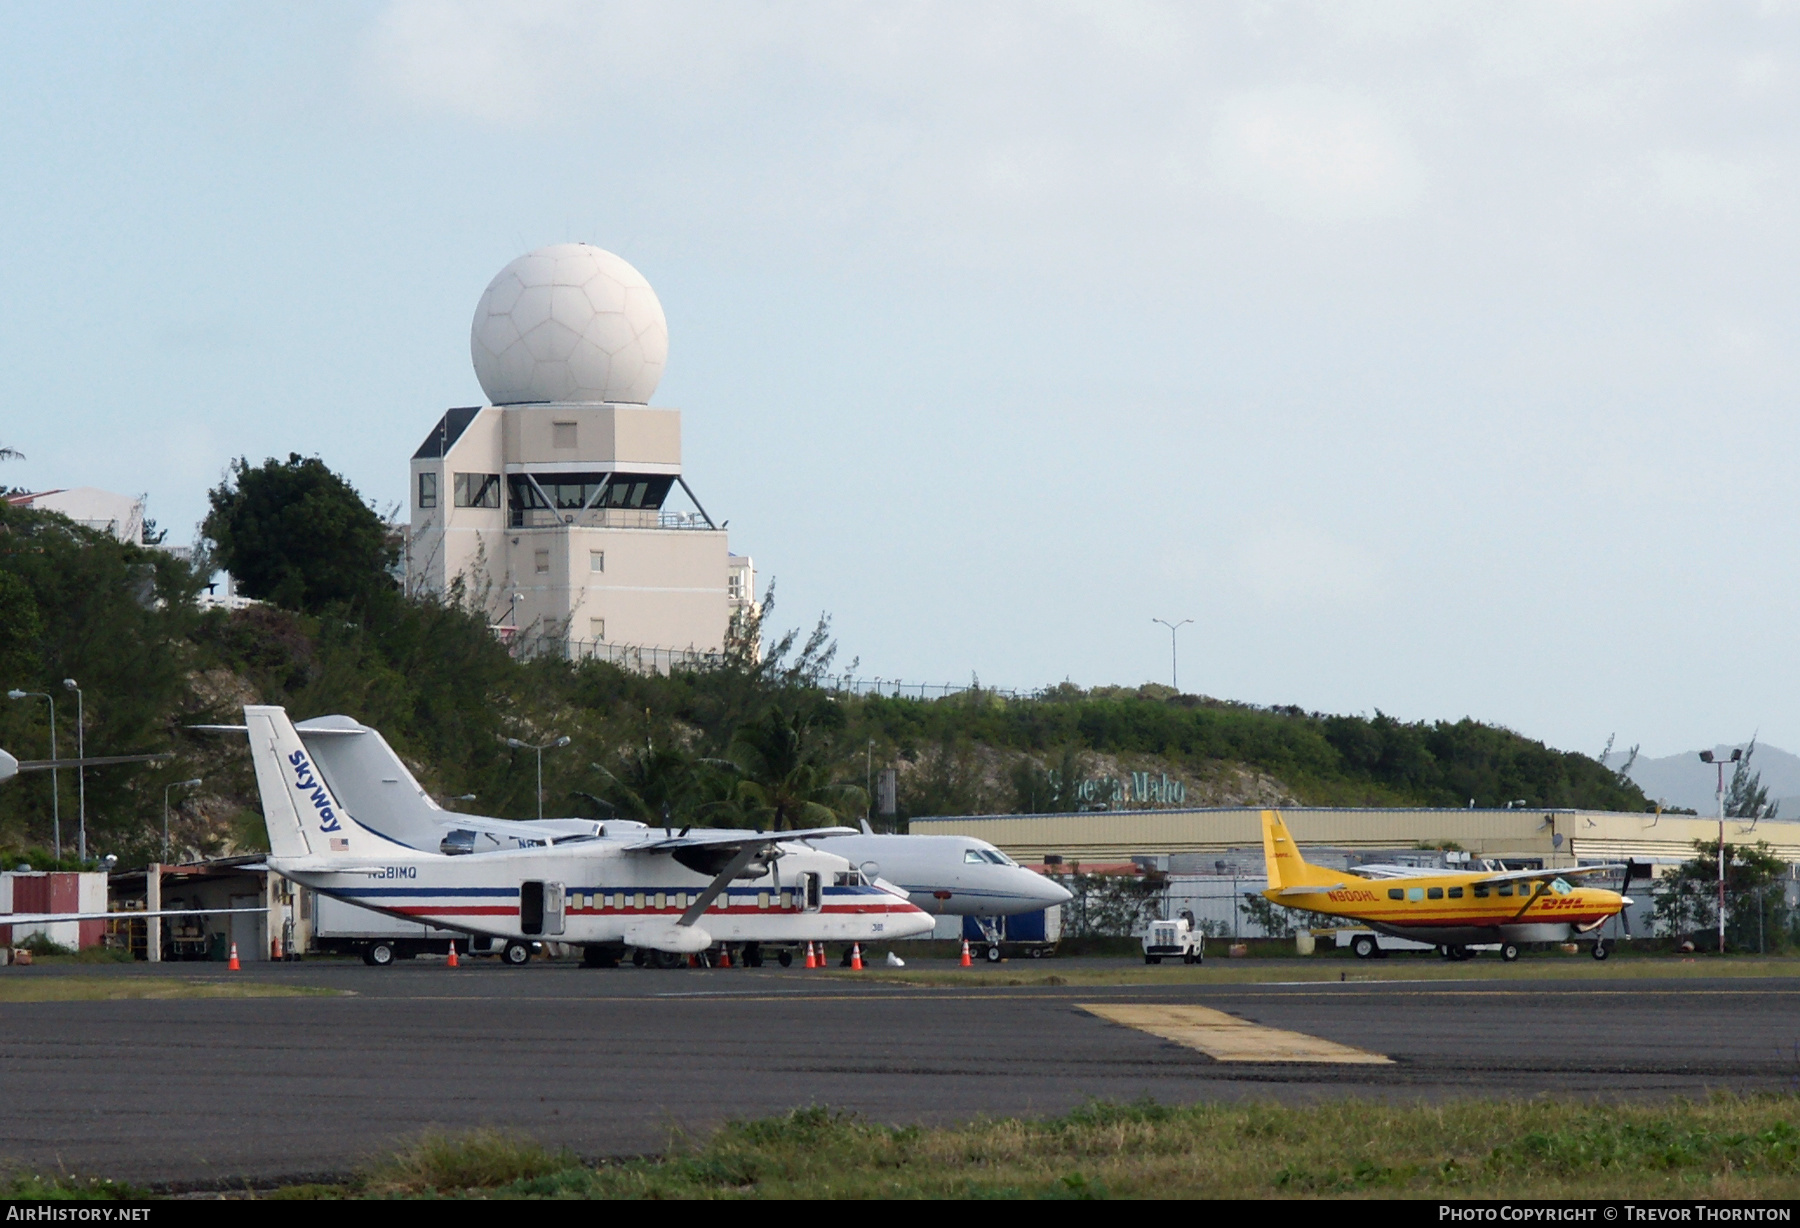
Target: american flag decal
339 845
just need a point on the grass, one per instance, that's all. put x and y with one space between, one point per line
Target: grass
108 989
1725 1147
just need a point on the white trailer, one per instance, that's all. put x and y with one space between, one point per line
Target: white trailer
1368 944
345 929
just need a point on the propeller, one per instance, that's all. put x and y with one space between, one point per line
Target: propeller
1632 870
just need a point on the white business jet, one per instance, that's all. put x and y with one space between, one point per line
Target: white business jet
675 894
941 875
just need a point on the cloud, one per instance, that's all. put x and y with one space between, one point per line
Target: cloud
1298 564
1310 153
1710 182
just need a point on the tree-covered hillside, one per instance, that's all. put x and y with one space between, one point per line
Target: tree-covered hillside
757 739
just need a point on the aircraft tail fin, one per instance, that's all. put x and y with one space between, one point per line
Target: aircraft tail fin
1282 859
303 816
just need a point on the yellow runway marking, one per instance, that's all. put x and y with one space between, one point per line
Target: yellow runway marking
1226 1038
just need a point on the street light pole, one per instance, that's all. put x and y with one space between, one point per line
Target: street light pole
1174 678
80 771
180 784
55 783
1706 756
518 745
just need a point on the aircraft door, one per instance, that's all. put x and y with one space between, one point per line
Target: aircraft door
553 908
812 893
531 908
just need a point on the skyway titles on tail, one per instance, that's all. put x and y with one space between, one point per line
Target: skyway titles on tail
305 820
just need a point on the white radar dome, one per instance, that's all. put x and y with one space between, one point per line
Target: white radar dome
569 322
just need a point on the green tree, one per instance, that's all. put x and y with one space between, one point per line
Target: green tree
1748 797
298 535
1756 913
786 780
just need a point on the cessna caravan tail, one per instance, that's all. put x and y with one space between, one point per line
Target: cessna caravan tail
658 890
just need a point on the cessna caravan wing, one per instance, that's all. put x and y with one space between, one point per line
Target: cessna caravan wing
653 889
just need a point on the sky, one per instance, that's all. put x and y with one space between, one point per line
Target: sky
1433 359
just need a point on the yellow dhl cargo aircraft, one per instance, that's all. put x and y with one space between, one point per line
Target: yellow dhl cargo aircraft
1453 910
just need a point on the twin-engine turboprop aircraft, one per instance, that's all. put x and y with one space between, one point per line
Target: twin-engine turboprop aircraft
1453 911
943 875
663 892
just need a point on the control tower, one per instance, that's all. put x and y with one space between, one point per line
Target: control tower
559 506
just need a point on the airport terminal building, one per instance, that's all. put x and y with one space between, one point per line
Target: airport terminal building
561 507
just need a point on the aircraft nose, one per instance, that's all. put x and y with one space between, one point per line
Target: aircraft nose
1049 891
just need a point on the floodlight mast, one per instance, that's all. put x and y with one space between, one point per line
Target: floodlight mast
1174 677
518 745
1706 756
55 782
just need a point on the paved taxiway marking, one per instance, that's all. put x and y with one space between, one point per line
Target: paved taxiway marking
1226 1038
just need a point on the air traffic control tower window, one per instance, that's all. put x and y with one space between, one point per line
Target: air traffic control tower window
477 490
571 492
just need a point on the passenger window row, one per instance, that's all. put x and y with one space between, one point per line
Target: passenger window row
673 899
1433 893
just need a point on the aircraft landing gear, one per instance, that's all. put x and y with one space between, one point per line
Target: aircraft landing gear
1601 949
516 955
1509 951
1363 946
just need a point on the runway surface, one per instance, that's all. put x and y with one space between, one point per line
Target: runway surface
610 1062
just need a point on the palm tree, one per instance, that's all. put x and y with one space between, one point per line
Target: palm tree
783 781
651 784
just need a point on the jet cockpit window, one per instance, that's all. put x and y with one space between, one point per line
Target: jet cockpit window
848 878
995 856
973 857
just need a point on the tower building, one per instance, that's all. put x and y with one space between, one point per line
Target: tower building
559 506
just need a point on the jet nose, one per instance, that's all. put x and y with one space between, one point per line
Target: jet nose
1048 890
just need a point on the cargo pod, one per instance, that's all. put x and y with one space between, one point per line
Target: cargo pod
540 907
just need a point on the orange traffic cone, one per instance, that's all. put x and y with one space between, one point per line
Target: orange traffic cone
856 957
232 964
451 962
809 956
724 957
275 949
966 961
